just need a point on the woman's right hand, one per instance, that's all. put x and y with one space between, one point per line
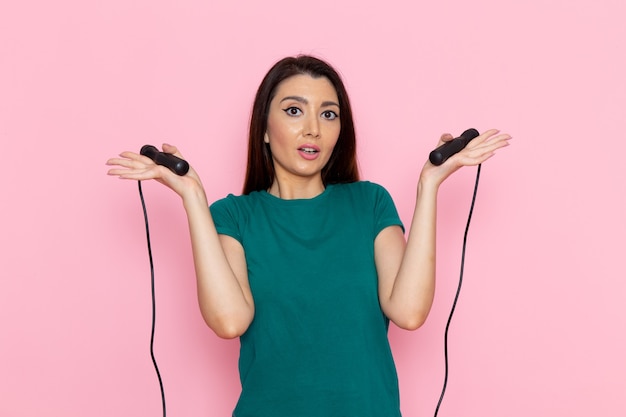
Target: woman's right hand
134 166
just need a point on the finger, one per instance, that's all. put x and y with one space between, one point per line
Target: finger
145 173
490 132
498 138
485 136
126 156
489 136
493 143
479 154
167 148
139 162
124 162
446 137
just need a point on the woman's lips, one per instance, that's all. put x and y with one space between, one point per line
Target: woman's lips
309 152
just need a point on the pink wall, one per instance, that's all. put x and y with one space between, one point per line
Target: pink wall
539 330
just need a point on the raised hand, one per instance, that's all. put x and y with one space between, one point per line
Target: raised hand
477 151
134 166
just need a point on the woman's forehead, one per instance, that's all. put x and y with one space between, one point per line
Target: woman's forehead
308 87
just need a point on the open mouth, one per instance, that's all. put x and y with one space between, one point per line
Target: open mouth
310 151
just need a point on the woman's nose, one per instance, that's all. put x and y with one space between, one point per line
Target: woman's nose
312 127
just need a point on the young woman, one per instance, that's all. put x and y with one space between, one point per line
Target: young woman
308 266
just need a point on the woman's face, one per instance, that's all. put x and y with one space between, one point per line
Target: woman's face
303 126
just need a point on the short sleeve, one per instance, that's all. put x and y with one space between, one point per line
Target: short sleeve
227 217
385 211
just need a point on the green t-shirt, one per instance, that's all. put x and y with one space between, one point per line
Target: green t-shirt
318 345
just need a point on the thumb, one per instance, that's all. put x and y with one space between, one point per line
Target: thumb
171 149
446 137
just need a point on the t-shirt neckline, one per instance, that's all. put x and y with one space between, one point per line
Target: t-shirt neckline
296 201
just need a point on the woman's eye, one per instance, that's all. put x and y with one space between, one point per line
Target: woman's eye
293 111
329 115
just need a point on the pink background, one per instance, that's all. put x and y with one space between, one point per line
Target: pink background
540 326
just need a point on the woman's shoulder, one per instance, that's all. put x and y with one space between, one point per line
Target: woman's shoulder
236 203
238 198
362 187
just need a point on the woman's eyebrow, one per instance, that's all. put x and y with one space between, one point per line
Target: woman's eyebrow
305 101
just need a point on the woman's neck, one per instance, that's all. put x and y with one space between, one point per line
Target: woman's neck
303 188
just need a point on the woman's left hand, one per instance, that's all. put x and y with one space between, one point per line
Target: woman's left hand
477 151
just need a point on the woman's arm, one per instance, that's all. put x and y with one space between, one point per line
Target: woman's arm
406 272
224 294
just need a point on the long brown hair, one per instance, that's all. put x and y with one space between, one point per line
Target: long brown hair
341 167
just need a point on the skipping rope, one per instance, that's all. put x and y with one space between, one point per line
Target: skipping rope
154 362
458 291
